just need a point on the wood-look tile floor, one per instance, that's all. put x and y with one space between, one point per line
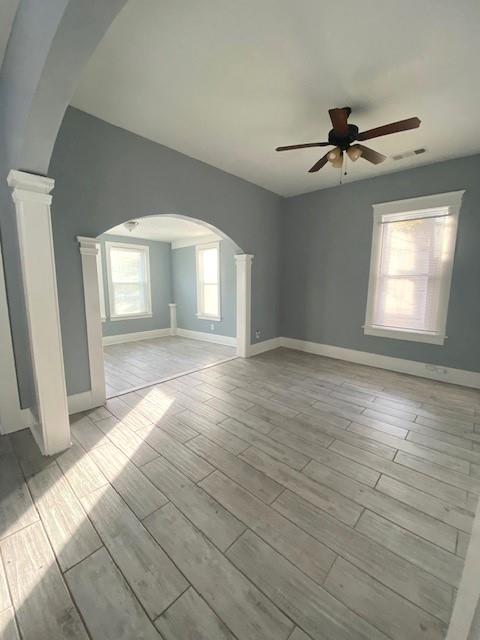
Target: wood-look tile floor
285 496
130 365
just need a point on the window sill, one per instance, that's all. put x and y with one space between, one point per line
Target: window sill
200 316
405 334
137 316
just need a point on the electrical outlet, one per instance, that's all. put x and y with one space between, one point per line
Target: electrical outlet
258 334
212 327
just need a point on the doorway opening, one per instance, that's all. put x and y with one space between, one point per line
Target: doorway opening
172 299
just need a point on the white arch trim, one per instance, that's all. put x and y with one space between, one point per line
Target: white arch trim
209 228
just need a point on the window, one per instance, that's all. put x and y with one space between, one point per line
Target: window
101 290
128 280
208 281
411 266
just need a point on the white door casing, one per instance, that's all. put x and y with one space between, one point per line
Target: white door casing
243 262
89 248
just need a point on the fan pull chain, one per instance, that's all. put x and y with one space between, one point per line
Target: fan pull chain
343 168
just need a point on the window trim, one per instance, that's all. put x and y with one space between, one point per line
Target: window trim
200 314
453 201
101 283
129 316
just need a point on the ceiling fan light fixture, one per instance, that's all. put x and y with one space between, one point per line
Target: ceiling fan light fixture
334 155
354 153
337 163
130 225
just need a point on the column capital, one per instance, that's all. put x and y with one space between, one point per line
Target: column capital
88 246
28 186
244 257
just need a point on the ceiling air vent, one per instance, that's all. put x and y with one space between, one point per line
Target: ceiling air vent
409 154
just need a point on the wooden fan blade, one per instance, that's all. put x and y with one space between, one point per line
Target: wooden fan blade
339 120
369 154
303 146
393 127
318 165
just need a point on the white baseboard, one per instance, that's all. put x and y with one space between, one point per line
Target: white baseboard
138 335
77 402
22 419
161 333
420 369
411 367
266 345
83 402
207 337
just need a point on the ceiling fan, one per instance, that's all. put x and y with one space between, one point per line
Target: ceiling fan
343 135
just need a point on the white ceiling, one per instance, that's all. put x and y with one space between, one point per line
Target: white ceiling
165 229
227 81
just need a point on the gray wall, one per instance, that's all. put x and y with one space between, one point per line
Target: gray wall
161 288
185 290
106 175
326 258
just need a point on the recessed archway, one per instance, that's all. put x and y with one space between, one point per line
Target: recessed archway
89 248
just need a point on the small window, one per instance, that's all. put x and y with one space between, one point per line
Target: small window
128 280
208 281
413 247
101 290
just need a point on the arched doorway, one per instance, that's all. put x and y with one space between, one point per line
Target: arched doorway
89 249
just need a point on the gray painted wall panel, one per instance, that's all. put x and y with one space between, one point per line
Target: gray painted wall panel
185 293
106 175
161 288
326 259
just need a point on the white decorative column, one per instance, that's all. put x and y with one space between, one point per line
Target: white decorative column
32 203
173 318
89 248
12 416
243 263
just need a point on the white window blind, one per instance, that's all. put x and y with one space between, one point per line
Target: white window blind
412 257
208 281
128 280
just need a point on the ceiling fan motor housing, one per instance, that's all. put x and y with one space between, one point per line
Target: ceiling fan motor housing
343 141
